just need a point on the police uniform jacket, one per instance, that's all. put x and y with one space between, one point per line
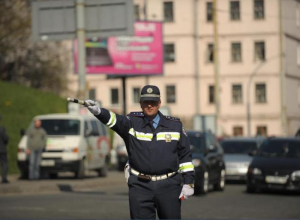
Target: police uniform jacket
3 140
159 151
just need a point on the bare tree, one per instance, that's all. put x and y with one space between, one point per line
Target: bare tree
41 65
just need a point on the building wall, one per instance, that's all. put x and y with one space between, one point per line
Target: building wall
182 72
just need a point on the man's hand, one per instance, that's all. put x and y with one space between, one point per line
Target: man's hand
126 171
186 192
93 107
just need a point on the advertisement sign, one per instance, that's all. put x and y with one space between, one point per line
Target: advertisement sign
141 54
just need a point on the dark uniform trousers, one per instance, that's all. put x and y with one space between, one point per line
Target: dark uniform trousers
145 197
153 152
4 167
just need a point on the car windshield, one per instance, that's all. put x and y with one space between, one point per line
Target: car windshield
280 148
238 147
61 126
197 143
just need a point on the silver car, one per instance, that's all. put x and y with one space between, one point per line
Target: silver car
236 156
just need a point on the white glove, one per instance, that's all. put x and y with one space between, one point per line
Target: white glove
126 171
93 107
186 192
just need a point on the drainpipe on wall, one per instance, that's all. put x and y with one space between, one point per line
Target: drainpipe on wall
196 59
282 74
216 68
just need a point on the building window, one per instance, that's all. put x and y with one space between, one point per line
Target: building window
298 55
92 94
169 53
237 94
211 94
260 93
210 53
114 96
136 95
260 51
261 131
209 11
236 52
238 131
235 10
137 12
171 94
259 9
168 11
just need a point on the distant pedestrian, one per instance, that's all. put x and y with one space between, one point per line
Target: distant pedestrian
3 153
36 142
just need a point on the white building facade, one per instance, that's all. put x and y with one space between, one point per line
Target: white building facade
258 45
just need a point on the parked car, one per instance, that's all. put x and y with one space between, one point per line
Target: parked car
75 143
276 166
236 156
298 133
207 158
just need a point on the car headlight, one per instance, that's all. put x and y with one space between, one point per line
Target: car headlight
296 174
71 150
256 171
196 162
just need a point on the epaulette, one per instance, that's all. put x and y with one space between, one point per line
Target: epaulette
137 114
172 118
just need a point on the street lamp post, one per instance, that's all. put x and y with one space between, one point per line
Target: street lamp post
260 65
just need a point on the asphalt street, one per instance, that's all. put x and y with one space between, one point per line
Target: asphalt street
106 198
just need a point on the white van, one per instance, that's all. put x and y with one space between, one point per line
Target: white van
75 143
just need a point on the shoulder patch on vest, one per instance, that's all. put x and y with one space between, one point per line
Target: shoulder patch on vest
172 118
137 114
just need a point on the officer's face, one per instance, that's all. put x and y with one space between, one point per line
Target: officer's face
150 108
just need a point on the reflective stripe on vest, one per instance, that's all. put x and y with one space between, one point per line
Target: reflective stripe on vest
140 135
113 120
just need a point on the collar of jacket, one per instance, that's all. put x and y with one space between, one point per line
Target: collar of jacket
162 121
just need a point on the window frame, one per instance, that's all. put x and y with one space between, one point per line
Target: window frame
210 53
111 96
233 52
237 98
167 56
256 11
137 15
257 99
232 12
237 130
263 51
138 95
211 96
168 100
168 18
263 127
209 15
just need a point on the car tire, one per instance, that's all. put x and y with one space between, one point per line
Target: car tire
203 187
220 185
102 172
250 188
53 175
79 174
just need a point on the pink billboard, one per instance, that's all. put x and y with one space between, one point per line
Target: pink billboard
141 54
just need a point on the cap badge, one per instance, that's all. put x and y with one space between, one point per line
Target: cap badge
149 90
168 138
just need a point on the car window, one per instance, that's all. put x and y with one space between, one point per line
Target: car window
197 142
95 130
86 127
280 148
238 147
61 126
103 130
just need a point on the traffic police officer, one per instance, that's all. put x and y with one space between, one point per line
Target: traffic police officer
159 151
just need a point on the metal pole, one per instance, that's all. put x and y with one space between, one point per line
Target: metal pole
196 56
145 19
282 75
248 109
81 48
124 94
216 67
248 97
